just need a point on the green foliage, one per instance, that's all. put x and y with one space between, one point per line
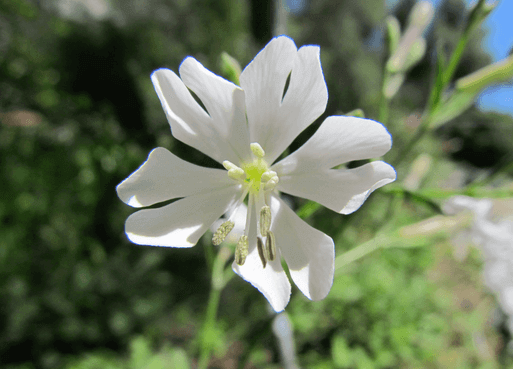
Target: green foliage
142 356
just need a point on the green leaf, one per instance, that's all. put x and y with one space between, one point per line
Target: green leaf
140 353
340 352
308 209
439 81
179 359
456 104
495 73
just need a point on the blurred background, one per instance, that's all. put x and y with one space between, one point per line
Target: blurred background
78 114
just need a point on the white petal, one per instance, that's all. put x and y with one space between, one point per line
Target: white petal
341 190
164 176
224 102
309 253
338 140
271 281
304 101
181 223
274 123
189 122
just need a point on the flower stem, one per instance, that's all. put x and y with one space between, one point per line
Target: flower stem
208 334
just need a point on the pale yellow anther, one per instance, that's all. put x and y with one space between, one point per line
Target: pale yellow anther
241 251
229 165
265 220
270 184
257 150
236 173
222 232
267 176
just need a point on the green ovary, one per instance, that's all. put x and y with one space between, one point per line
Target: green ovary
254 171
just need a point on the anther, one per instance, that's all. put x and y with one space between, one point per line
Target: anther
270 246
268 175
222 232
265 220
270 184
241 251
236 173
257 150
261 251
229 165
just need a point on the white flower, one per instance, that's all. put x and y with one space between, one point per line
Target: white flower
495 239
246 129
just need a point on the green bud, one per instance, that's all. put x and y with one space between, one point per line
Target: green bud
421 15
355 113
392 85
393 33
469 87
230 67
478 13
417 52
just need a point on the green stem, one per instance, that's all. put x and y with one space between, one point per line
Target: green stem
417 234
218 283
437 93
455 58
383 101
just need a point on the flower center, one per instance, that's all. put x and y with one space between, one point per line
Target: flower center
257 180
254 171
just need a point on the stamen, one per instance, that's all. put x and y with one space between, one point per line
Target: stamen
265 220
270 184
229 165
270 246
257 150
261 251
268 175
222 232
241 251
236 173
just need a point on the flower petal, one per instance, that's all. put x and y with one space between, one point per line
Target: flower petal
271 281
275 120
190 123
181 223
304 101
164 176
309 253
224 102
338 140
341 190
